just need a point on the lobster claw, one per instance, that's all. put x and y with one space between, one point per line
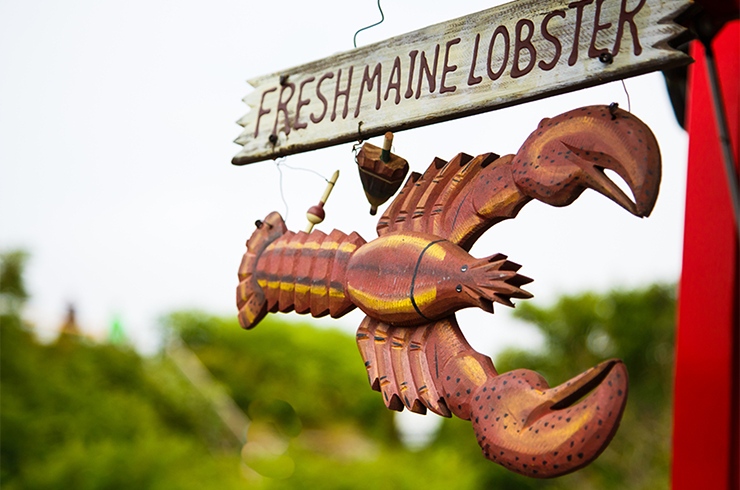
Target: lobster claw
545 432
569 153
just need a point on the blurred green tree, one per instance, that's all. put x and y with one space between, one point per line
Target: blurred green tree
75 414
12 289
639 328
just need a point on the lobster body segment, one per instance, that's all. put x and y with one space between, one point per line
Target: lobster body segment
403 279
410 278
306 272
285 271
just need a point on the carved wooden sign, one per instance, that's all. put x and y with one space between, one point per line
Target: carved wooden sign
503 56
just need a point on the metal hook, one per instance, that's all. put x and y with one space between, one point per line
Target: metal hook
382 18
356 146
613 109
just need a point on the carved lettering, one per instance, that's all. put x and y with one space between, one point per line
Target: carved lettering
505 33
397 84
261 112
553 39
369 82
431 75
522 44
628 17
577 34
592 51
448 68
472 79
321 97
301 103
409 91
283 107
344 92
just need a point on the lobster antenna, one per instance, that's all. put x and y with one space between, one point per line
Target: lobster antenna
315 214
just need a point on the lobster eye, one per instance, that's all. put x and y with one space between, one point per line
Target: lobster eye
464 268
458 288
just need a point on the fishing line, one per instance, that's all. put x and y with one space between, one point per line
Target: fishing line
280 162
282 195
629 105
304 169
382 18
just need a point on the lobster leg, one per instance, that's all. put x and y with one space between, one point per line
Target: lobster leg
519 421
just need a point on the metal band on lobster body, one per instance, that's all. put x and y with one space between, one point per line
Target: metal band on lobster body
427 279
411 280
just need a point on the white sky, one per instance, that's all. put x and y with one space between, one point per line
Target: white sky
116 129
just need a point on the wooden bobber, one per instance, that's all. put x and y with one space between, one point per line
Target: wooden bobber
316 214
381 172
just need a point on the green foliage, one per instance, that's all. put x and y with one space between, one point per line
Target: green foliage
80 415
12 290
318 372
637 327
75 414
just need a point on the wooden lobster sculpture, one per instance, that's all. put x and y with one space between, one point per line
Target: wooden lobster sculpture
418 272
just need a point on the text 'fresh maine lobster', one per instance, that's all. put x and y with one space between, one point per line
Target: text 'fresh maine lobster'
418 272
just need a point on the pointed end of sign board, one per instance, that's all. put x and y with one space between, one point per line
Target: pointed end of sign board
242 139
241 158
674 25
679 12
242 121
255 82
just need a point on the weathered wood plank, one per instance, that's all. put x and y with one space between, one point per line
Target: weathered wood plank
503 56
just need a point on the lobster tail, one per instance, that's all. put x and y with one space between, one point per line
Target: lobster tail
250 297
285 271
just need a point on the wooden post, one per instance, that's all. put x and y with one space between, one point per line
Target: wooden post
706 412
